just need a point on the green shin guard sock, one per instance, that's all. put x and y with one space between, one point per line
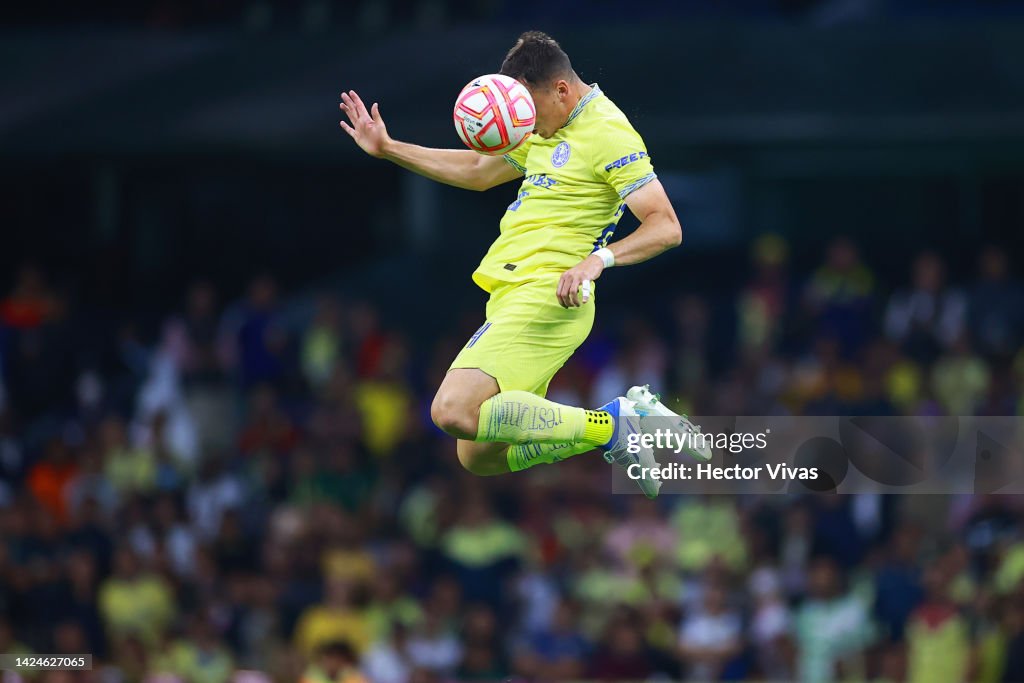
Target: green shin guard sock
519 417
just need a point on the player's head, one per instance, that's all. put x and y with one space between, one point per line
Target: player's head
538 62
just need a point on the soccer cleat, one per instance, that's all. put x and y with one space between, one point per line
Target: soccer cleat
649 405
616 451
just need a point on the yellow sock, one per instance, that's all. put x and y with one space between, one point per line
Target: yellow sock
599 427
519 417
521 457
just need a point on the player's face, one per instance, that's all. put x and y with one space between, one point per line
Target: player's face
553 104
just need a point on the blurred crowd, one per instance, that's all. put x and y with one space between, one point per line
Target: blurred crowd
254 492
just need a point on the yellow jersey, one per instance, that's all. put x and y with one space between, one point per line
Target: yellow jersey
572 195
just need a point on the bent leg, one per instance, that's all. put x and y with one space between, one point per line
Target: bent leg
493 393
544 431
456 410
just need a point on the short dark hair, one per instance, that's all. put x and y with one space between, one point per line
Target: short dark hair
537 59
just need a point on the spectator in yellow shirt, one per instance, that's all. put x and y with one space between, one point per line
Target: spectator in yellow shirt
134 602
938 636
200 658
335 619
129 469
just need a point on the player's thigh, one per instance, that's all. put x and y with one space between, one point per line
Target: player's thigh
482 458
528 336
544 345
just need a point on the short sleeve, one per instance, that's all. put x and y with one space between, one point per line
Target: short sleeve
622 160
517 157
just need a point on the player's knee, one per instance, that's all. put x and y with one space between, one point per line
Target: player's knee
453 416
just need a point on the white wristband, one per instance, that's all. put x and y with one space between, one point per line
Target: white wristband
606 256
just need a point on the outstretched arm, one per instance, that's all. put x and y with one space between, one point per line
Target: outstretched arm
658 231
458 167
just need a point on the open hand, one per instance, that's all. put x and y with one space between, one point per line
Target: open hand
365 127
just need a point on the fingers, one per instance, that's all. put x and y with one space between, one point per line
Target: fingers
560 291
375 112
353 107
348 107
568 293
576 285
347 128
352 119
360 107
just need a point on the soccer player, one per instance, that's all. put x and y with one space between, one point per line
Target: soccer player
583 166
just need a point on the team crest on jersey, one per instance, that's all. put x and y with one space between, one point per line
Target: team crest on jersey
560 156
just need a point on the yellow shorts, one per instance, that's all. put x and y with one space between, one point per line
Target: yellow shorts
527 336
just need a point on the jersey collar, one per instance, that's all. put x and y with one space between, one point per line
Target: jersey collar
595 90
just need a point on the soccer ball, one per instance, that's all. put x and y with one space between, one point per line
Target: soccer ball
494 114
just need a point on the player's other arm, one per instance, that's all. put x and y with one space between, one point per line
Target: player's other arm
659 228
658 231
458 167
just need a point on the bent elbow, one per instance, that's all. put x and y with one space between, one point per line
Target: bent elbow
675 236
